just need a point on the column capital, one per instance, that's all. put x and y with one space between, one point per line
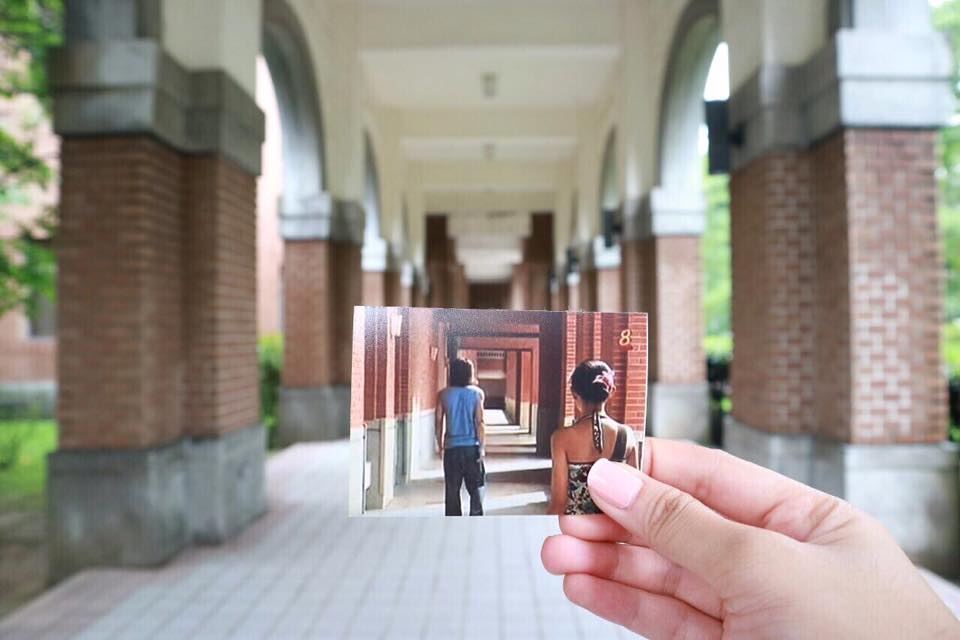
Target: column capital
133 86
665 212
322 217
861 78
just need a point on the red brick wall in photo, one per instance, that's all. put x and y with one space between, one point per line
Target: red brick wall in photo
423 370
120 296
595 335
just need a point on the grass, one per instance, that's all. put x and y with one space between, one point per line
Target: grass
24 445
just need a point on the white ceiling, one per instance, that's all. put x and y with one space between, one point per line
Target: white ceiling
552 77
476 152
521 149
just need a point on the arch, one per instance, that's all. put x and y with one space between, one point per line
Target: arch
371 192
695 41
609 191
287 55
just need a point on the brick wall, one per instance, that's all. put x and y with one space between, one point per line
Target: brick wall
119 303
774 292
608 294
374 286
592 336
678 337
308 359
837 289
878 248
25 358
219 285
157 299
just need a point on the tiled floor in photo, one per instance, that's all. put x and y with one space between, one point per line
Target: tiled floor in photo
305 570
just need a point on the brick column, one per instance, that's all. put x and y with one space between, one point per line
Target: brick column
160 442
660 271
837 285
322 282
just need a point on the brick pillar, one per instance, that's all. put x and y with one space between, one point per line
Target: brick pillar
608 289
160 442
322 283
661 274
837 306
774 273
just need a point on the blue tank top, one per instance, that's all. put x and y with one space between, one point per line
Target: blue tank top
461 417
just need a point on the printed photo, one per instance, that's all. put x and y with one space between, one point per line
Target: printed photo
487 412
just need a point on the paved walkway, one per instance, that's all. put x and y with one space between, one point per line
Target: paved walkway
306 570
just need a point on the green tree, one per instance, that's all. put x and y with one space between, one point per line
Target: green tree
946 18
716 265
28 29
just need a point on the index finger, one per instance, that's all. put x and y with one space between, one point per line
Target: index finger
740 490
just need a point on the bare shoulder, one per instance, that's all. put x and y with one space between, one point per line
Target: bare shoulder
561 435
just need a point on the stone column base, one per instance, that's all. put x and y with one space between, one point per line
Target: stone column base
784 453
225 483
912 489
139 507
309 414
680 411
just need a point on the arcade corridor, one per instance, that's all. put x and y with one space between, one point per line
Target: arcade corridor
517 154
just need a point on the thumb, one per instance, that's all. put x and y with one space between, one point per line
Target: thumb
674 523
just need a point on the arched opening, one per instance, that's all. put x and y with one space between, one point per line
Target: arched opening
286 54
609 191
691 233
371 193
294 220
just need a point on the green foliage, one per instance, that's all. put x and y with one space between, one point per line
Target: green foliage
951 347
270 353
28 29
716 266
718 346
28 268
946 18
24 445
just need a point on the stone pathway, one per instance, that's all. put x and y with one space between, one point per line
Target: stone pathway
306 570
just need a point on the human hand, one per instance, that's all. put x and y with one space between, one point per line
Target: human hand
706 545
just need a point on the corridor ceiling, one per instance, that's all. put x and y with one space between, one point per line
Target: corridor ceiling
489 100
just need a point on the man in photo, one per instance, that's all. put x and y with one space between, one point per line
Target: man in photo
460 437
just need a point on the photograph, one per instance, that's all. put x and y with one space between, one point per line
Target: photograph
489 412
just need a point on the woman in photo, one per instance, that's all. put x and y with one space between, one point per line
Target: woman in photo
459 431
592 436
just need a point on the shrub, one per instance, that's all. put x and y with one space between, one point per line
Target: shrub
270 354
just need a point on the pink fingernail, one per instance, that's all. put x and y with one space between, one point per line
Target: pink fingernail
613 483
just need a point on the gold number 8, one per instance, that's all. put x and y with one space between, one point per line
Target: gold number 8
625 337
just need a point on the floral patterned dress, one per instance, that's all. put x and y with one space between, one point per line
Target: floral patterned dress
579 501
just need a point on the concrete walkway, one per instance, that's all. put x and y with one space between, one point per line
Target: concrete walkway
306 570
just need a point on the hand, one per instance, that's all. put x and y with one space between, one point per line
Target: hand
715 546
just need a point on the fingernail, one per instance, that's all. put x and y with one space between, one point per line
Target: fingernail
613 483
